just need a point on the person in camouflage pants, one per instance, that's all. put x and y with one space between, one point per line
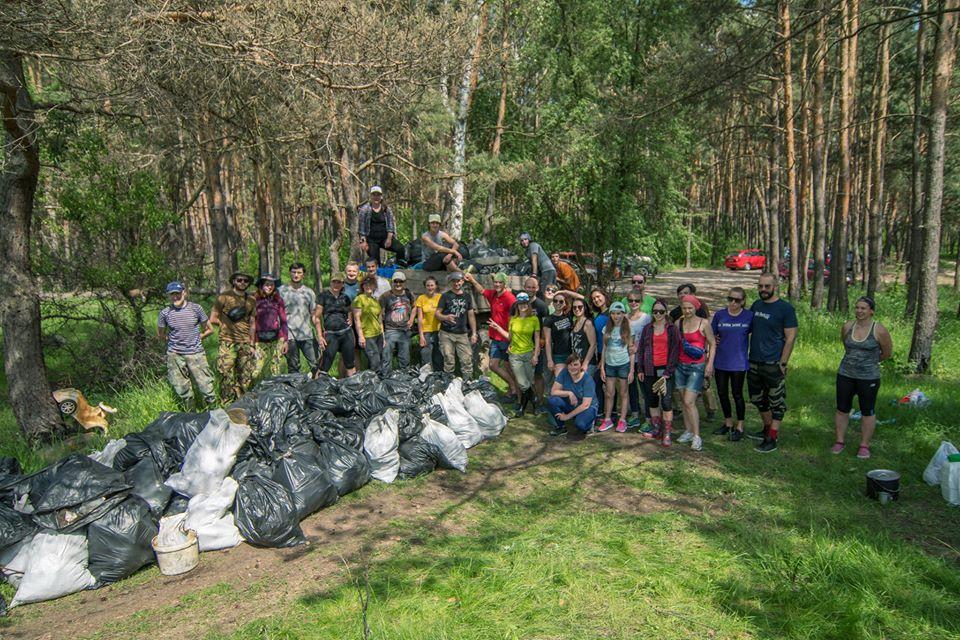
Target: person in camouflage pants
236 355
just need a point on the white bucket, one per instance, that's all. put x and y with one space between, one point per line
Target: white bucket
180 558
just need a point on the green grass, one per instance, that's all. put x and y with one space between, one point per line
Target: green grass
614 538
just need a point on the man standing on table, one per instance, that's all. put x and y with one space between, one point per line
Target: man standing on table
772 336
539 261
183 325
377 227
458 327
300 302
236 356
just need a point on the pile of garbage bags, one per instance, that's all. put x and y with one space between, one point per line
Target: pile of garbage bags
252 472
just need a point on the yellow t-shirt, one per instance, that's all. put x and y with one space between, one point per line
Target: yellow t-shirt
429 306
369 315
521 333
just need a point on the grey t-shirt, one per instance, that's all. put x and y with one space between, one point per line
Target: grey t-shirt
300 303
543 260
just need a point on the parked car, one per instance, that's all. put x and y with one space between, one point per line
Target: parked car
641 264
586 266
746 259
784 270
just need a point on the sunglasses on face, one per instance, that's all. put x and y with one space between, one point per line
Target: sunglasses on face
732 299
578 306
639 282
551 290
633 301
242 281
658 312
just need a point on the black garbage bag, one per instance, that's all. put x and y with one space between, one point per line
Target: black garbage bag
3 607
370 403
349 468
410 424
435 412
119 542
486 389
177 505
399 393
309 484
414 252
356 384
179 430
246 404
264 510
148 485
292 380
139 446
74 492
10 471
417 456
323 384
14 526
274 406
436 382
343 430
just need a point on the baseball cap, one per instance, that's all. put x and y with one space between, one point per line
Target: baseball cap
526 236
267 277
523 296
456 275
501 277
618 306
376 189
338 276
175 287
433 217
399 276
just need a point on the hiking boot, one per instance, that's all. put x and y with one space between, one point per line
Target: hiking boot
758 435
621 426
606 425
686 436
697 443
518 409
768 445
736 435
722 431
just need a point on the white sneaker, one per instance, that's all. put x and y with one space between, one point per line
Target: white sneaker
686 436
697 443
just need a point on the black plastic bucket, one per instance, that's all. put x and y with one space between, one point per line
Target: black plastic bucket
883 485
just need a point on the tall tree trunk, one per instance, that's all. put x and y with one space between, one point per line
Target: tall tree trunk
460 110
793 287
501 117
224 255
915 237
817 160
775 248
27 387
944 54
877 202
261 214
837 300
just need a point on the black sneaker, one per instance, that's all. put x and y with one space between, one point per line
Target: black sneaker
558 431
768 445
736 436
721 431
757 435
518 410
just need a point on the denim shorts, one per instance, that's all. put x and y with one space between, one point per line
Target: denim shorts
617 371
498 349
690 376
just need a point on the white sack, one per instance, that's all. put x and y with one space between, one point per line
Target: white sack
488 416
932 473
459 419
172 532
56 567
109 452
380 444
440 435
13 561
210 517
211 456
950 482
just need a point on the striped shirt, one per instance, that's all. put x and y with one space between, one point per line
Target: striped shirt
183 327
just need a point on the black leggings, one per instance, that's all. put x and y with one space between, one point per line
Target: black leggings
725 380
374 245
653 400
866 390
342 342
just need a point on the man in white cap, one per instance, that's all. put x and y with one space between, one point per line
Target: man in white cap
397 305
376 227
440 251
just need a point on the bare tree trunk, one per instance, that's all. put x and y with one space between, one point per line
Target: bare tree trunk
224 256
817 161
261 215
501 117
943 58
915 237
775 248
793 287
877 203
27 387
837 300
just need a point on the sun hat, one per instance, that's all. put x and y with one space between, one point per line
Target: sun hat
174 287
434 217
376 189
399 276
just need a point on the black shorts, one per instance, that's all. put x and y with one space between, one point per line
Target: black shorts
865 390
435 262
342 342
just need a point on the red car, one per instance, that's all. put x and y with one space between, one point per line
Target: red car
747 259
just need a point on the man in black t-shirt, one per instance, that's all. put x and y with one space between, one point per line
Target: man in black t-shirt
397 307
333 309
458 326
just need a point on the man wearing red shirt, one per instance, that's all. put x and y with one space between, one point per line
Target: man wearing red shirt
500 299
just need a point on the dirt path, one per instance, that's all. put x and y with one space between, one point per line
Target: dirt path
712 285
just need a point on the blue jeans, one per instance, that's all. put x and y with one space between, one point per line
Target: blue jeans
690 376
400 338
582 421
374 351
498 349
430 354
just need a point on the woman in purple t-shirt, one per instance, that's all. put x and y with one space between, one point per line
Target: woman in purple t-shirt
731 326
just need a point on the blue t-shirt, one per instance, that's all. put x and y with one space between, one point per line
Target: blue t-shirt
732 334
599 322
769 321
583 389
